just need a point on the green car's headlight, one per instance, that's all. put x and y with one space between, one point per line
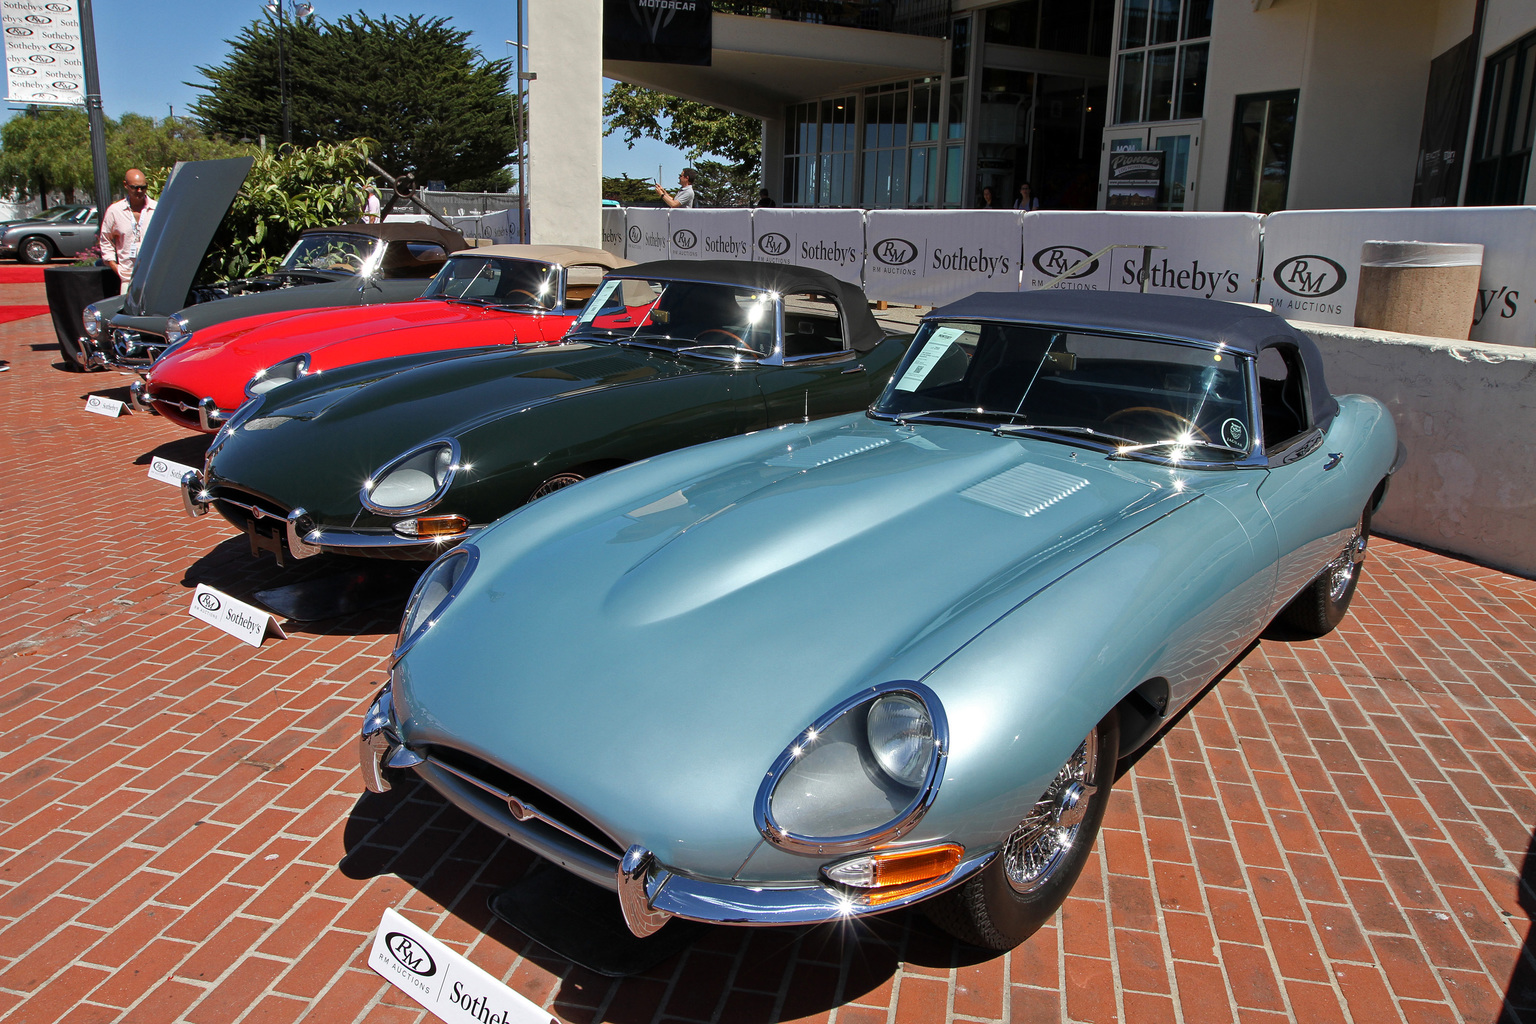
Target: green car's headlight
438 586
413 482
277 375
863 774
90 320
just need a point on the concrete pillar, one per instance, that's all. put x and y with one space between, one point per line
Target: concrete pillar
773 157
565 122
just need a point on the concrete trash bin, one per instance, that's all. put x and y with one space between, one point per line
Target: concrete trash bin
1427 288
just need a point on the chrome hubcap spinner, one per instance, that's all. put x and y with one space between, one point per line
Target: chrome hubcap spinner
1051 827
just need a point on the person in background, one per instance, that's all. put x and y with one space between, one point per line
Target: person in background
764 200
370 204
1026 200
123 227
684 197
988 200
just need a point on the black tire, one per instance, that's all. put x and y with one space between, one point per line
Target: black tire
35 249
1321 605
1012 897
555 483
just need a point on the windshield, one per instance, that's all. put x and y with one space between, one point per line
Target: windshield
681 316
1133 394
497 281
58 213
335 253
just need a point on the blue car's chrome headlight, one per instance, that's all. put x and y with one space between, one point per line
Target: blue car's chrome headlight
438 586
863 774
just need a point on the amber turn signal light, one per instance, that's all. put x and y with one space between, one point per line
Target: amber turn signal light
889 874
432 526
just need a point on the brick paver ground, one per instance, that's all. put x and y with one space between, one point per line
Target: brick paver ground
1337 832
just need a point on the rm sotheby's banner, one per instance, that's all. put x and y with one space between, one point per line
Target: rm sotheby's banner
645 235
613 230
710 234
42 51
1312 262
658 31
828 240
929 257
1205 255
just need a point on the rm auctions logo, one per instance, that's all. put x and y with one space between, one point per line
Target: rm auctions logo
684 239
159 466
635 234
1058 259
773 244
894 252
209 602
410 954
1310 276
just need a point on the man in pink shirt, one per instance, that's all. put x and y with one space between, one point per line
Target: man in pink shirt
123 227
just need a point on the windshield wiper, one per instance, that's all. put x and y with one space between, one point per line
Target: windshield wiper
958 412
1062 428
1132 448
729 346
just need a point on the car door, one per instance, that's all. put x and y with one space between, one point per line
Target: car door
1305 490
814 373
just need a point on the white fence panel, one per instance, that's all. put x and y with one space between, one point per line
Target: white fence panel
928 257
645 234
500 227
710 234
829 240
1204 255
1312 262
613 230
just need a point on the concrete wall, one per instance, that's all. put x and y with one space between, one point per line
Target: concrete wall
565 122
1466 412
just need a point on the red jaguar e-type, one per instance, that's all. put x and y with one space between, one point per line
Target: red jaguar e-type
494 295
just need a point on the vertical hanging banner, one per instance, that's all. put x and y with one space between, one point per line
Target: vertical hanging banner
928 257
710 234
613 230
829 240
43 62
1312 262
1204 255
645 234
658 31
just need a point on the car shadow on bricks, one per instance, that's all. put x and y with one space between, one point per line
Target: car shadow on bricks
116 394
1520 996
187 450
457 863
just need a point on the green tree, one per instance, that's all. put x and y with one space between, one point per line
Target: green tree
432 102
698 129
46 150
630 191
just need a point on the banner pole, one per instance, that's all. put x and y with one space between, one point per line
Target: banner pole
93 110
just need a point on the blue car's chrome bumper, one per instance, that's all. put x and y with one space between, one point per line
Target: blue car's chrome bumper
649 892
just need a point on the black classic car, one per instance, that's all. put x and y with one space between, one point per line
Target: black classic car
346 265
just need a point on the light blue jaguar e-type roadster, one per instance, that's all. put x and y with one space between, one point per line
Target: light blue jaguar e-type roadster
835 668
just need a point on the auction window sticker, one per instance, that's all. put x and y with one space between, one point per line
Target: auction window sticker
933 350
596 303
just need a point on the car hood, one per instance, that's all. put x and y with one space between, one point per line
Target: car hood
187 213
225 357
316 440
679 621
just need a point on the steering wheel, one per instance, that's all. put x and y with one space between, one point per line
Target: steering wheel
523 291
729 334
1183 423
347 261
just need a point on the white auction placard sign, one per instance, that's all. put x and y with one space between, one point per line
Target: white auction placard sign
645 234
167 472
103 406
242 621
929 257
613 230
1312 262
43 57
443 981
710 234
827 240
1204 255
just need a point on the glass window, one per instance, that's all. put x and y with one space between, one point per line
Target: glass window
1164 83
957 110
1259 168
1133 24
1506 127
1015 24
1165 22
1197 18
954 156
1128 104
960 48
1192 80
1160 85
496 281
336 253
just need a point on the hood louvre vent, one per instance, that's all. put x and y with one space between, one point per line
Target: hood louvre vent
1024 490
823 452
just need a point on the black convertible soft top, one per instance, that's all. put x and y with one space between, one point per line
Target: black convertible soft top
864 332
397 231
1240 327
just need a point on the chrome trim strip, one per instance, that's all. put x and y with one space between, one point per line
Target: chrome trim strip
762 811
327 539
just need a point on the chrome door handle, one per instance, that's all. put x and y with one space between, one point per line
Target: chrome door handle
1334 458
854 369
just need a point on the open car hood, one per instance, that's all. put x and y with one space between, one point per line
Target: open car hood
188 212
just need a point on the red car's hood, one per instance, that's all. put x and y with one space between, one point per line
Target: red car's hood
218 363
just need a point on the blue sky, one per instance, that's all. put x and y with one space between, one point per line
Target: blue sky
147 51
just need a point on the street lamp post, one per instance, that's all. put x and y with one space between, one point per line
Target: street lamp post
302 11
519 107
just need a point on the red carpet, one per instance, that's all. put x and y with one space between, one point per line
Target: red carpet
19 274
9 313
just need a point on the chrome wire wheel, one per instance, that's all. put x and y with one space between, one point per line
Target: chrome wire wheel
558 482
1343 570
1048 832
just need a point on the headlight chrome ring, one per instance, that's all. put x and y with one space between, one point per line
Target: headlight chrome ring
414 481
277 375
434 592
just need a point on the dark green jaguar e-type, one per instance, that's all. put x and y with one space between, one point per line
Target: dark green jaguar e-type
403 457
